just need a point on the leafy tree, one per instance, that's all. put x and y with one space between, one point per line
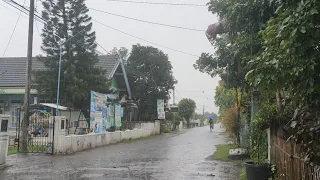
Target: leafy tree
69 20
186 109
151 78
169 116
224 98
276 45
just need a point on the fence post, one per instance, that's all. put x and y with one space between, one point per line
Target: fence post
59 134
269 144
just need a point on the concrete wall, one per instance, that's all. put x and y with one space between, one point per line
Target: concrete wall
4 140
73 143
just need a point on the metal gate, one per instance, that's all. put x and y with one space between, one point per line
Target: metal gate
40 134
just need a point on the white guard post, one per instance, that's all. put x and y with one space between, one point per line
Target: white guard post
59 133
4 138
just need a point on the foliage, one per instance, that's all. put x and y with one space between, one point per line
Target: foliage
166 130
243 174
186 109
224 98
266 115
69 20
169 117
275 44
259 140
229 121
150 77
290 61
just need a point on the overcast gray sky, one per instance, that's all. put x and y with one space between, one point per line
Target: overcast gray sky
191 83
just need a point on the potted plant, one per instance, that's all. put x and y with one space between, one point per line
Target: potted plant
258 167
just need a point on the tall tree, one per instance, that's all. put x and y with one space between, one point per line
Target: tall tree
68 22
224 98
186 109
151 78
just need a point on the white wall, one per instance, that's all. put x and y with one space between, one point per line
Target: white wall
73 143
3 148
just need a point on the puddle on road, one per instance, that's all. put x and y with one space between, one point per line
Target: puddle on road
214 170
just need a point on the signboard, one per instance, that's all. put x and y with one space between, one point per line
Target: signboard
98 112
160 109
16 91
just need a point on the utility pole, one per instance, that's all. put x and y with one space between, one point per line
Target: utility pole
203 111
174 114
28 81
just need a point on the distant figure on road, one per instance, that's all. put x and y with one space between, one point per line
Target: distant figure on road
211 124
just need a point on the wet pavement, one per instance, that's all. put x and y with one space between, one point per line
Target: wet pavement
166 157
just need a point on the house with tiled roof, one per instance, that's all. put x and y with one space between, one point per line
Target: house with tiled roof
13 78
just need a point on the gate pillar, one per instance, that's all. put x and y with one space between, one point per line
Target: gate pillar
59 134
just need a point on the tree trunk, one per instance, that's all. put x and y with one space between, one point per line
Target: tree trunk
278 97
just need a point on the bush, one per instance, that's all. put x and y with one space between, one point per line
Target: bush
229 121
167 130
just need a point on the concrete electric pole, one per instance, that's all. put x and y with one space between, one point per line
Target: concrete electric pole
28 81
174 114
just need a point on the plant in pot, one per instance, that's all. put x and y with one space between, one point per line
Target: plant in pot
259 168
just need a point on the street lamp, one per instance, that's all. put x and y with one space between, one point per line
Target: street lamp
61 43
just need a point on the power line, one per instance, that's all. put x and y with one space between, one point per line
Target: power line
102 47
22 6
14 29
158 3
20 10
145 39
11 9
150 22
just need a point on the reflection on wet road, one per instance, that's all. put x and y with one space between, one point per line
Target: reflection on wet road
166 157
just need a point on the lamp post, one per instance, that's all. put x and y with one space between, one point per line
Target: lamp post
61 43
59 77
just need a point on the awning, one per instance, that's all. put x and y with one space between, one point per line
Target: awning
54 106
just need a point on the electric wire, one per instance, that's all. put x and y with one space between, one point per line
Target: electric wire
150 22
157 3
166 47
13 31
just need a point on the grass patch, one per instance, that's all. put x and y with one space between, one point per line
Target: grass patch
33 149
243 174
12 150
166 130
222 152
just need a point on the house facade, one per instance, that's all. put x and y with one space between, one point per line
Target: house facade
13 78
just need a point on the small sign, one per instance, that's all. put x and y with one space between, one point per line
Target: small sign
160 109
35 100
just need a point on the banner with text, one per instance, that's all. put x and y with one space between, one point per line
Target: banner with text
160 109
98 112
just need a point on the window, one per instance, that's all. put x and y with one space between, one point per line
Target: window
75 123
4 125
15 101
62 124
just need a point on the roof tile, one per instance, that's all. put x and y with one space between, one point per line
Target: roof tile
13 69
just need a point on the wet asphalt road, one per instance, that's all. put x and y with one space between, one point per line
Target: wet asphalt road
166 157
